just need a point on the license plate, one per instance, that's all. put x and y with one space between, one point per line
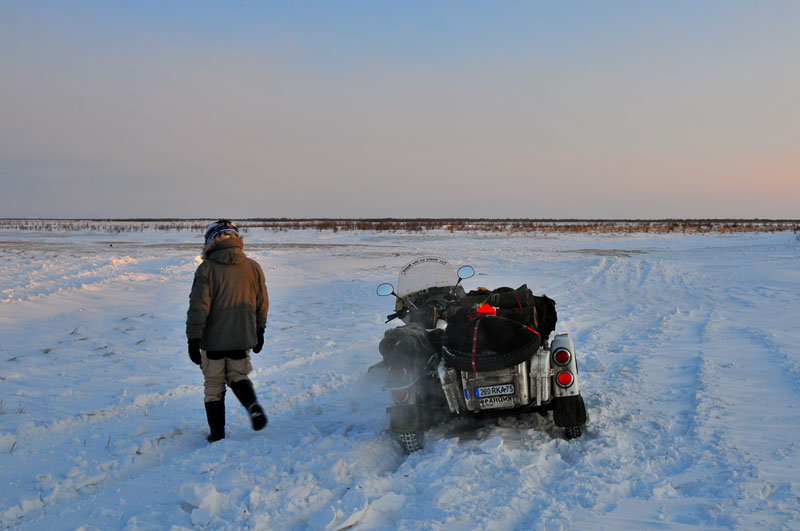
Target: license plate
494 390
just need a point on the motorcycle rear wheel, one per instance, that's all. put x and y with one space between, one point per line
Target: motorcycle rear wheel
572 432
411 441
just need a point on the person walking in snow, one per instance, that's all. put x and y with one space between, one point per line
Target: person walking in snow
227 316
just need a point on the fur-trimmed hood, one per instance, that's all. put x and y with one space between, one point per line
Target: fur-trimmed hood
225 249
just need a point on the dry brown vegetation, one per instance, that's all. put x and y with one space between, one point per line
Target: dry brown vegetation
415 225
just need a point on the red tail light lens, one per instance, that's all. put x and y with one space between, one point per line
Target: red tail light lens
562 356
564 378
400 395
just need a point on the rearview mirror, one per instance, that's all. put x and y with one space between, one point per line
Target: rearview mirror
385 289
465 272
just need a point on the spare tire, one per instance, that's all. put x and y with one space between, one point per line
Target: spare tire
497 343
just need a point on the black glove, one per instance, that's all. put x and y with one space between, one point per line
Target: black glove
260 343
194 350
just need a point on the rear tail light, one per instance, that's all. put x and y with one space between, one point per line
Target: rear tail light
562 356
400 395
565 379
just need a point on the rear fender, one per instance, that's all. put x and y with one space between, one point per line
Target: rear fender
401 382
404 418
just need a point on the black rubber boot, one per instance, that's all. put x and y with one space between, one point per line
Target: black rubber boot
243 389
215 412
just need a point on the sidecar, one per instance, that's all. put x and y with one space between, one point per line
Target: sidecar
547 380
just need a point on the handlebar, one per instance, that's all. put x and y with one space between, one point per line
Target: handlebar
432 309
395 315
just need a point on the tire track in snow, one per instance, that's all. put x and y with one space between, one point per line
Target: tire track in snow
671 416
598 274
694 467
693 475
125 447
738 381
627 401
105 445
777 354
31 438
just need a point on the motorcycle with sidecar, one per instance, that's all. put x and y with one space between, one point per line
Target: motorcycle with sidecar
473 354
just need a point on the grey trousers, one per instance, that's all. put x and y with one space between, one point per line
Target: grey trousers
219 372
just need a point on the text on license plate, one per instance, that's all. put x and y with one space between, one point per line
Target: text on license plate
494 390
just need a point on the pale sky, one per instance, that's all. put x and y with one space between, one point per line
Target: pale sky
400 109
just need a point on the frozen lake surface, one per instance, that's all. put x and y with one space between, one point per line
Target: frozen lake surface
690 368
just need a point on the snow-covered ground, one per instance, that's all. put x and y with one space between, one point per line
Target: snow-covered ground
690 368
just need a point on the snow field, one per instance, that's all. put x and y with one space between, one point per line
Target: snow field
687 348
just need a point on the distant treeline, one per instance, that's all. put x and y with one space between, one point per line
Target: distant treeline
414 225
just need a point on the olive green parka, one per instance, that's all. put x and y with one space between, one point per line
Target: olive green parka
229 300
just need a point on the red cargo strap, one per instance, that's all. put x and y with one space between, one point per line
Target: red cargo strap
475 345
534 331
517 296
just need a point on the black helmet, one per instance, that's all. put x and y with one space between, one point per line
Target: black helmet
219 227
